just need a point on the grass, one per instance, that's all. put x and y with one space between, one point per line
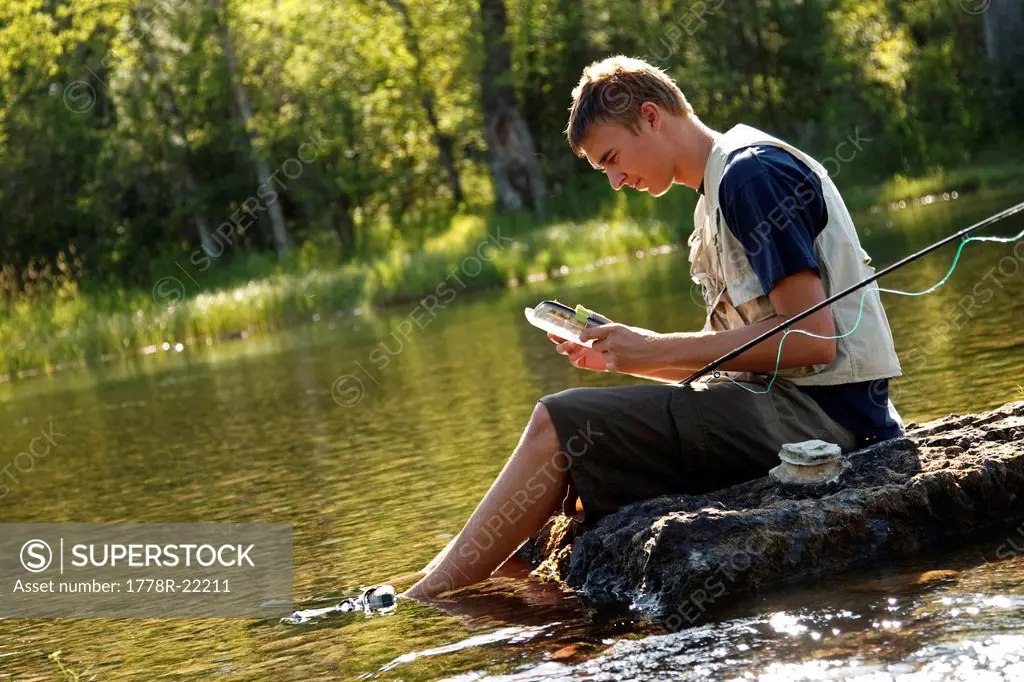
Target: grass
68 674
47 332
963 180
254 294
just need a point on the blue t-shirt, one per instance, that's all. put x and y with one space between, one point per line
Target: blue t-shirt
779 241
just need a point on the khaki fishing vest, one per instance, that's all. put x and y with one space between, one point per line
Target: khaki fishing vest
735 298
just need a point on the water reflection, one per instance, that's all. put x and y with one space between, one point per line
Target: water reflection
252 432
950 627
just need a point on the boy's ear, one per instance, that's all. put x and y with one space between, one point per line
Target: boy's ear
651 114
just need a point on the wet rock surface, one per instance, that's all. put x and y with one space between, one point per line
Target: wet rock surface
944 481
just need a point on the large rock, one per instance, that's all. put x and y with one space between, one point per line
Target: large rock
673 557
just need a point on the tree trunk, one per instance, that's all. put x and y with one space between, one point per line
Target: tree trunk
443 142
515 172
178 156
280 235
210 248
345 227
1004 45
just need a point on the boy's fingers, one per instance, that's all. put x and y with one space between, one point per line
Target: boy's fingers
556 339
567 347
596 332
577 355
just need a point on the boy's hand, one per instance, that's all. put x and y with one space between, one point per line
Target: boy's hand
630 350
579 356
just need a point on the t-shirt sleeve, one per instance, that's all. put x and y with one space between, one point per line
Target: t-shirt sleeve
775 215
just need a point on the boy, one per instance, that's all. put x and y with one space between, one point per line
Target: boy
772 237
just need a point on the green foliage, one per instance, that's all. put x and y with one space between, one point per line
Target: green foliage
50 330
121 137
961 180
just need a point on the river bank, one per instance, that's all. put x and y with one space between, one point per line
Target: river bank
196 300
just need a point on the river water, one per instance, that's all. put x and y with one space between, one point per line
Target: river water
376 476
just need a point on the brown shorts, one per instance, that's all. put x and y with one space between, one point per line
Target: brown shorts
630 443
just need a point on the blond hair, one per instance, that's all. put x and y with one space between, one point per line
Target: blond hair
612 90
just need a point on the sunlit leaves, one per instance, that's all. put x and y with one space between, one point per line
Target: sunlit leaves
90 151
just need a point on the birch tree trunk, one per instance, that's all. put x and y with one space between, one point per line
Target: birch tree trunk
210 247
1003 21
280 235
175 152
517 178
443 142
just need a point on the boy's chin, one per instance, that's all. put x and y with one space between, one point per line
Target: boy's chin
659 191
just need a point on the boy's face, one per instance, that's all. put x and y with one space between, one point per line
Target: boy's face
642 161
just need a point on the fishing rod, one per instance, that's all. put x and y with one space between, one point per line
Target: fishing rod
962 234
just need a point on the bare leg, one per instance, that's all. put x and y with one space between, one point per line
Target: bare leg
526 493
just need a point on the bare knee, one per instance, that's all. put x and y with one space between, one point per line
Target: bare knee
550 463
540 434
540 420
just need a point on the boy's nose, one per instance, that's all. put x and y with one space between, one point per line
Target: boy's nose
616 179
